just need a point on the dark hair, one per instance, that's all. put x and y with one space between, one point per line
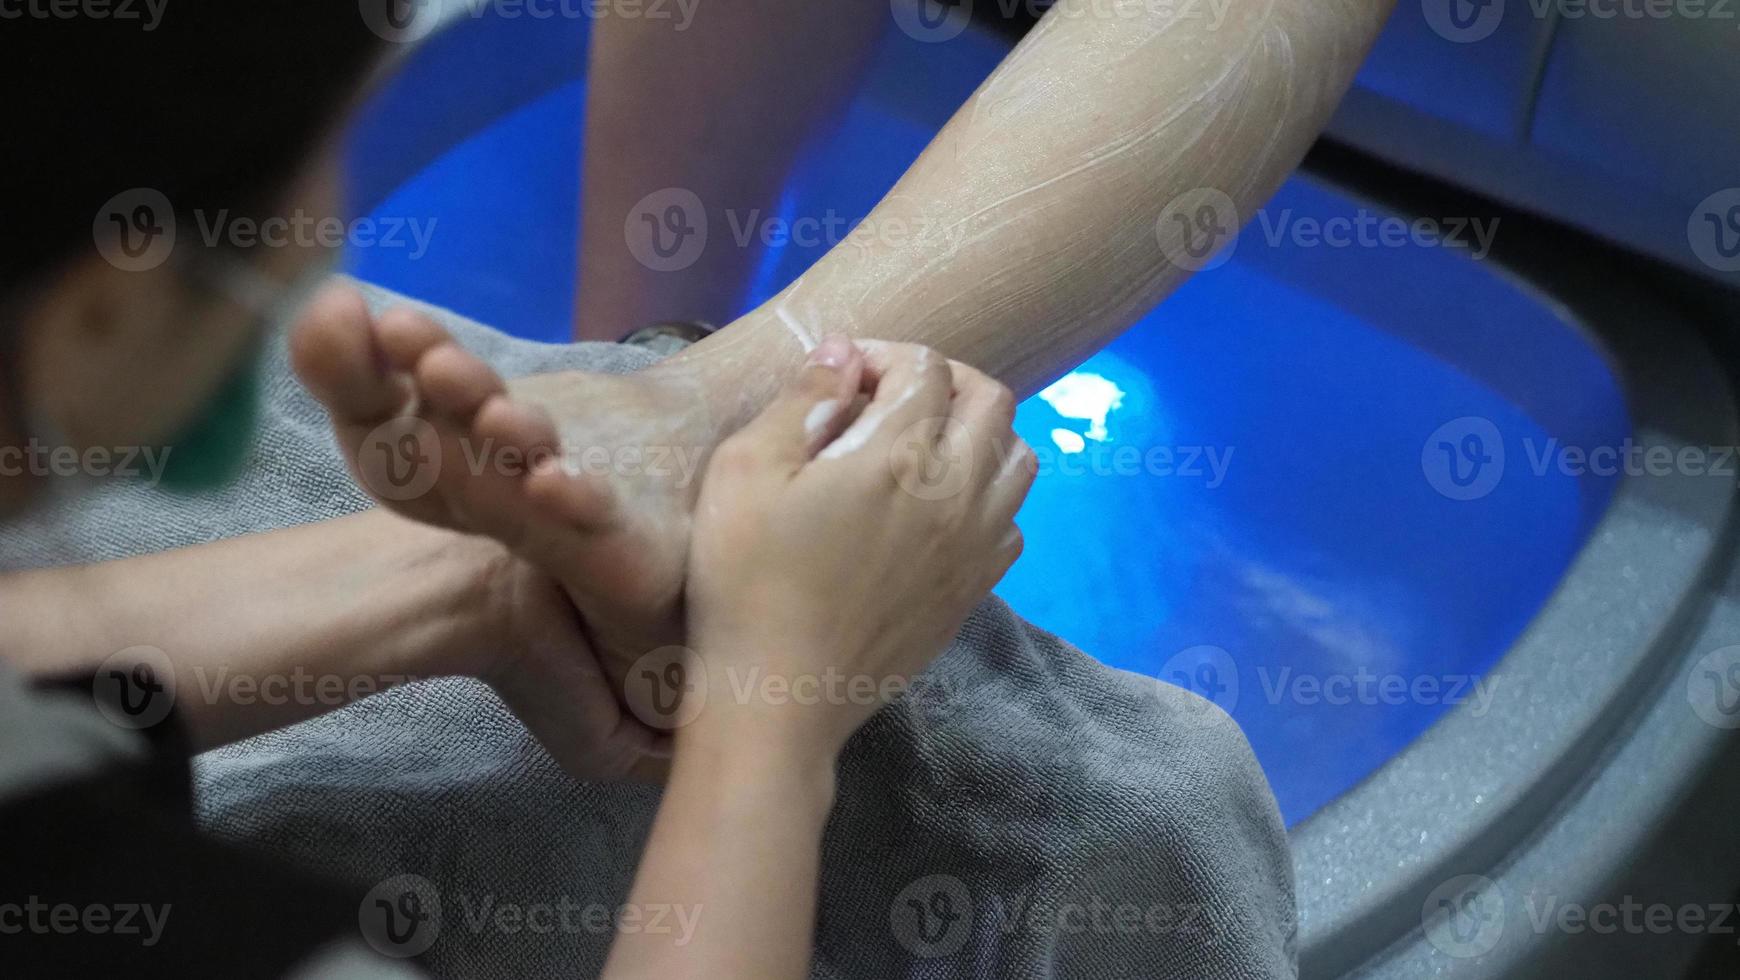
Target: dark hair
214 104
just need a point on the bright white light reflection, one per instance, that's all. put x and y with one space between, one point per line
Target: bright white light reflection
1069 442
1086 396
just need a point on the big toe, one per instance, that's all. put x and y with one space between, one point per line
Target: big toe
333 351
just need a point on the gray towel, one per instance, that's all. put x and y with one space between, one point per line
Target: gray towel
1028 813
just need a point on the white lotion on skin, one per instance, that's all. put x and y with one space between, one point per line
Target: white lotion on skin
862 430
804 338
854 438
820 416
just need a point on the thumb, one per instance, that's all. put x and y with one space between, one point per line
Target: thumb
813 407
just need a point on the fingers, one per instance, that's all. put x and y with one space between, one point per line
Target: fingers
985 410
981 435
951 414
1003 556
811 410
1014 479
913 386
1003 468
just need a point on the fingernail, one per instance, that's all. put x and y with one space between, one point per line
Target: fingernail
833 352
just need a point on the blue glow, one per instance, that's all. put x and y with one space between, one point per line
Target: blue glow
1231 495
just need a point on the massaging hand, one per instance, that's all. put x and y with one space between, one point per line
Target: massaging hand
400 391
540 663
847 542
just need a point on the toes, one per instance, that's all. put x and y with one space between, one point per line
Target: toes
334 352
576 501
405 335
455 383
552 493
451 381
508 442
527 429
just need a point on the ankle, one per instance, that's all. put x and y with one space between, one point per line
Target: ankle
737 371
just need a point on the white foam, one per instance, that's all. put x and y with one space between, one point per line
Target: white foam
820 416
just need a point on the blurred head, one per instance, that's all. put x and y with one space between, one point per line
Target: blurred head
156 179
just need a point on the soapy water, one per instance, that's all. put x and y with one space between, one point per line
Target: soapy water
1231 496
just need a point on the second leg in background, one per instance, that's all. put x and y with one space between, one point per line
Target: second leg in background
701 121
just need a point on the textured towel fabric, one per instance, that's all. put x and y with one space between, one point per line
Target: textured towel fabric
1025 813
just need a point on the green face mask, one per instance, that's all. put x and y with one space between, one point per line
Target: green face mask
213 449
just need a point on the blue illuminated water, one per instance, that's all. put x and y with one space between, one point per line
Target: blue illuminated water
1234 494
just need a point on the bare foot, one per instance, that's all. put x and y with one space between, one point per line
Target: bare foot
600 501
